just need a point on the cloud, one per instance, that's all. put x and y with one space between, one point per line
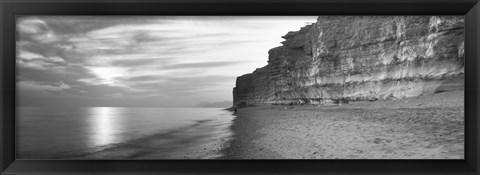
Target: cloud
55 88
208 79
173 86
135 62
82 24
32 26
203 64
115 95
26 55
98 91
68 74
144 78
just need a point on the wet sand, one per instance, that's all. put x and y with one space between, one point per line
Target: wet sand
425 127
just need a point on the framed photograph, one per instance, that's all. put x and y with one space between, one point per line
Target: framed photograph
239 87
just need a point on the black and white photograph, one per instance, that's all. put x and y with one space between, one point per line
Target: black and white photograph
240 87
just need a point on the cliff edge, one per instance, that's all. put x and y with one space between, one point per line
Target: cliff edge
343 59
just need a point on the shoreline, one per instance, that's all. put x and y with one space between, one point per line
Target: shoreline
424 127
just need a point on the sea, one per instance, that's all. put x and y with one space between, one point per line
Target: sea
122 133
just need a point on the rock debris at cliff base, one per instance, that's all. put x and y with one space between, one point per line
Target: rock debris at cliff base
345 59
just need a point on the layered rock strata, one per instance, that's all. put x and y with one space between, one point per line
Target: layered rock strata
343 59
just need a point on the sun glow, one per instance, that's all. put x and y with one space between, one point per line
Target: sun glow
107 75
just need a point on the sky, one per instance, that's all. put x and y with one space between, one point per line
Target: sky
141 61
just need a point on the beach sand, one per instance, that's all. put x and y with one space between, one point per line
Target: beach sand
424 127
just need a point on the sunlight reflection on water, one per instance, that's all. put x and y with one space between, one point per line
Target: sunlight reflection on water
102 120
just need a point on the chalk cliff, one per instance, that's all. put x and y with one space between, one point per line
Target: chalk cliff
343 59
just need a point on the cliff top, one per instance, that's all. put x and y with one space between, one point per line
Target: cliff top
294 33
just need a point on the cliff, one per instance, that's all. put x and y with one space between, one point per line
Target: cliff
343 59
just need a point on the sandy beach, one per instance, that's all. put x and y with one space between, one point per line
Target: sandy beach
424 127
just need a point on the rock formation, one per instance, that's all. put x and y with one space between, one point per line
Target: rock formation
343 59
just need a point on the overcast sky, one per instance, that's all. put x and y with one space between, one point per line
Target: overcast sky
141 61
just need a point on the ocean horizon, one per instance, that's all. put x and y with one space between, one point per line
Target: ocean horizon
122 133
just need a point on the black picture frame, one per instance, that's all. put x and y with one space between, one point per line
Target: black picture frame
11 8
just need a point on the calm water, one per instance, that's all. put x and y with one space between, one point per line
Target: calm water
122 133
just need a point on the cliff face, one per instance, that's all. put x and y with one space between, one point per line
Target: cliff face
342 59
